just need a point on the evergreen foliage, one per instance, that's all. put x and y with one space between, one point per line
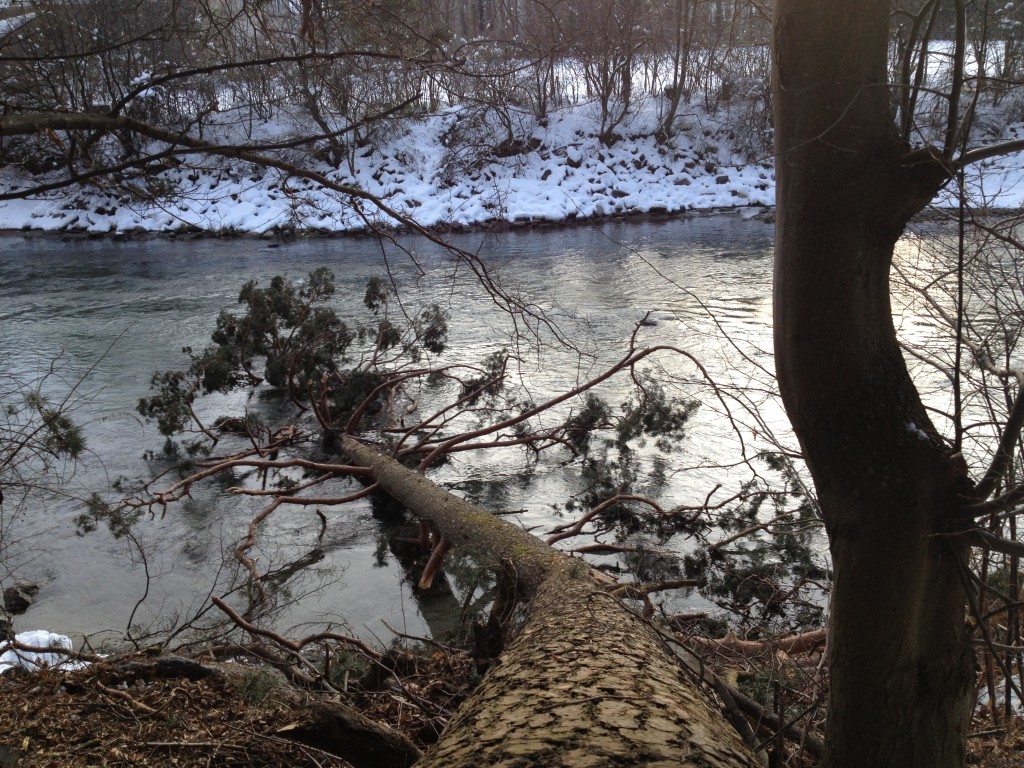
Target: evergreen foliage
290 337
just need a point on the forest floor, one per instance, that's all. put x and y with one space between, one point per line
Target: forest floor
104 715
109 715
1003 748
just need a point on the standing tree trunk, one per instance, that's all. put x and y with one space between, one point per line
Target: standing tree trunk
901 666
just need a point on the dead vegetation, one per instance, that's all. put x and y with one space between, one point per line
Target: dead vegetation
171 711
164 711
1001 747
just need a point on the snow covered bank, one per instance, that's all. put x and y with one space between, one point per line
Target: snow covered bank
563 173
566 173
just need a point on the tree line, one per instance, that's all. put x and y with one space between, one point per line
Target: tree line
351 68
337 77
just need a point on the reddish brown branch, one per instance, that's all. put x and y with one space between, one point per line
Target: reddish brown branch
575 529
295 646
805 642
441 547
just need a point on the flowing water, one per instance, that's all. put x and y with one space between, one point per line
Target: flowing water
112 313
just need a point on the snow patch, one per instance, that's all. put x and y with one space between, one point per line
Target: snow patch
565 173
917 432
34 660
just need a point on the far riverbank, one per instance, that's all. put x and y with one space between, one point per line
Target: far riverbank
564 176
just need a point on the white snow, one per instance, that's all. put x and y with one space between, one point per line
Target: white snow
568 175
1015 703
33 660
917 432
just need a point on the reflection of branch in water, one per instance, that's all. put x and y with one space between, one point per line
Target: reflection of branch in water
279 576
438 604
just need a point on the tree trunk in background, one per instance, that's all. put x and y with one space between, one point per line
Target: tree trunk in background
584 682
901 666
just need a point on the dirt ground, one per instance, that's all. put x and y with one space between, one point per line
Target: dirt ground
105 716
996 747
96 717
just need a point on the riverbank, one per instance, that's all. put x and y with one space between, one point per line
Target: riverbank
276 237
159 709
170 710
562 174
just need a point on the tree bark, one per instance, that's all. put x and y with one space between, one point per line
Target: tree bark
901 666
585 682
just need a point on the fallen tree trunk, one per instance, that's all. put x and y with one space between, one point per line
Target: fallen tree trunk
585 682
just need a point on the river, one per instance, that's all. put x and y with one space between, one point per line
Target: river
115 312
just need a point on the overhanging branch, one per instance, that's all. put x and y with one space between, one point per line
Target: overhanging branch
30 123
986 153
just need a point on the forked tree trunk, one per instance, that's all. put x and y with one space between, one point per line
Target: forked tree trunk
901 666
584 683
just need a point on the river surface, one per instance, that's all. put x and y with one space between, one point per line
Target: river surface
114 313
